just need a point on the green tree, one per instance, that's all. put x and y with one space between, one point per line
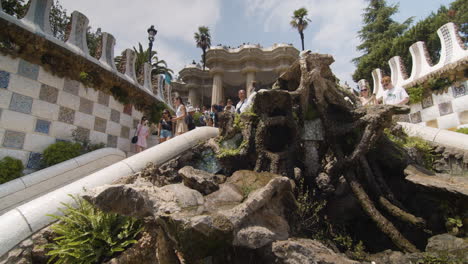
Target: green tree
59 20
93 40
203 40
300 21
16 8
377 35
157 66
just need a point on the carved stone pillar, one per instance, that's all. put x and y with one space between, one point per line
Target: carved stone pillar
194 96
217 94
249 78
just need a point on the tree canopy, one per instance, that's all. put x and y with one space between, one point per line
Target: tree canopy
300 21
382 38
203 41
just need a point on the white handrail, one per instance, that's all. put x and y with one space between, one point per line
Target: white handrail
21 190
23 221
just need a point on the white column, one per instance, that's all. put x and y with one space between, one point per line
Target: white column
217 93
194 96
250 77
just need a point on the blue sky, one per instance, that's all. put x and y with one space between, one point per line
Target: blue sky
333 29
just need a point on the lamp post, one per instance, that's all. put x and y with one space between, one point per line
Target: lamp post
151 34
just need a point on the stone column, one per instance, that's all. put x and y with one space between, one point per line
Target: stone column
217 93
194 96
249 78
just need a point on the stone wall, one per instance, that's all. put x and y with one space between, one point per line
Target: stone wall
445 110
38 108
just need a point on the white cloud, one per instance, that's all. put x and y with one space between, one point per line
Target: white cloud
333 28
127 21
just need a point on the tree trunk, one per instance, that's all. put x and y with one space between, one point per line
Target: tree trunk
204 57
302 39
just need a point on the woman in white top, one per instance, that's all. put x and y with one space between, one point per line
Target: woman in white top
366 98
229 107
181 126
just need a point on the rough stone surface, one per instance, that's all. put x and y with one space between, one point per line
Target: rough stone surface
199 180
115 116
48 94
71 86
21 103
86 106
445 108
100 124
201 225
82 133
111 141
103 98
299 251
124 132
13 139
4 79
34 161
28 70
453 184
448 244
42 126
66 115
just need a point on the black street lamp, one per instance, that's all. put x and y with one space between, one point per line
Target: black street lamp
151 34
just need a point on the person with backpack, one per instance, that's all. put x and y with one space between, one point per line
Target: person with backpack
189 118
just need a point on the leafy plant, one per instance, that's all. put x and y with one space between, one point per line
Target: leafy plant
438 84
10 169
88 235
196 118
463 130
120 95
415 94
59 152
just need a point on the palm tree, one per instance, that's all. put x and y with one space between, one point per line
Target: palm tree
300 21
203 39
157 66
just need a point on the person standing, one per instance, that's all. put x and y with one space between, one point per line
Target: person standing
165 128
142 133
393 95
229 107
181 126
365 98
242 104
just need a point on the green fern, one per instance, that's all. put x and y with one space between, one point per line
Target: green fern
88 235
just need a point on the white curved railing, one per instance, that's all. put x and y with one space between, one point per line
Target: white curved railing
23 221
453 52
21 190
436 135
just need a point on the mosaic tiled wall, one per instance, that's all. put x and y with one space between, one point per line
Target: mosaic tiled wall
447 110
37 109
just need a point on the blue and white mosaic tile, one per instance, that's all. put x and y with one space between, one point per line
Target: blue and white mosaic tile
14 139
111 141
21 103
35 160
28 70
42 126
4 79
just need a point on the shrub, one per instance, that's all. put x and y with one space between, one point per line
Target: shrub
463 130
10 169
88 235
59 152
196 118
415 94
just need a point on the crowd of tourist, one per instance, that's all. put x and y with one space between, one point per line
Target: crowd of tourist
186 116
